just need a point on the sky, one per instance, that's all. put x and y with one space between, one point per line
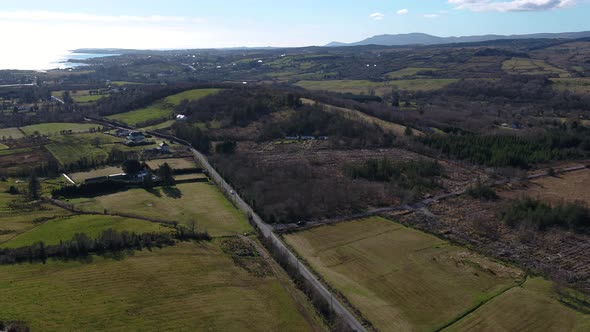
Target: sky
52 26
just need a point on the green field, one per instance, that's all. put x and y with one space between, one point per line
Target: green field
399 278
14 220
120 83
189 287
13 133
55 230
161 109
527 309
56 128
79 177
68 149
201 202
408 72
575 85
523 66
80 96
391 127
3 147
163 125
378 88
176 163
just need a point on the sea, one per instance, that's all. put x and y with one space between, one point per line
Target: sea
45 60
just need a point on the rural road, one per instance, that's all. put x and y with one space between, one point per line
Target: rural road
265 229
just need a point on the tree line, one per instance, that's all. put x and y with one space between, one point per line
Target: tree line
535 214
108 242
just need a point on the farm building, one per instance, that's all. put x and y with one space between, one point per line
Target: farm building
135 137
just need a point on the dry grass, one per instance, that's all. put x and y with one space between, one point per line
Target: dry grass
399 278
570 187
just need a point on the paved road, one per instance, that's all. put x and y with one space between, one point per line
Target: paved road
265 229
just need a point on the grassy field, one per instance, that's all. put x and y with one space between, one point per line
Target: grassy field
163 125
527 309
523 66
69 149
201 202
103 171
3 147
408 72
190 176
379 88
399 278
190 95
189 287
13 133
55 128
53 231
13 220
176 163
80 96
575 85
121 83
394 128
161 109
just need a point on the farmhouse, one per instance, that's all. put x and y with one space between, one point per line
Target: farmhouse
164 147
180 117
135 137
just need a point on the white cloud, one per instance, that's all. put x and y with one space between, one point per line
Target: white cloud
402 12
511 6
431 16
377 16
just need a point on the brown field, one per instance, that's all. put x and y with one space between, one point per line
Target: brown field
569 187
399 278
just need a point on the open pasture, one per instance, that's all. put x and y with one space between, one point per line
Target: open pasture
56 128
189 287
201 202
175 163
530 308
11 133
79 177
399 278
62 229
522 66
409 72
161 109
69 149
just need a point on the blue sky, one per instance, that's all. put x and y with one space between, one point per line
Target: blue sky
222 23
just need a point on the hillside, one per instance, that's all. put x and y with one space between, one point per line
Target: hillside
426 39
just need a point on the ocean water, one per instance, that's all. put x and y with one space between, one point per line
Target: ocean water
44 60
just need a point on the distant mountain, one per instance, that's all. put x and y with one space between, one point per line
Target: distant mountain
425 39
